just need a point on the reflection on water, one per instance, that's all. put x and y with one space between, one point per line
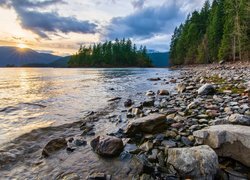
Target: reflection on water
32 98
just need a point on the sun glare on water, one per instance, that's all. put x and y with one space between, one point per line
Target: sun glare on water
22 46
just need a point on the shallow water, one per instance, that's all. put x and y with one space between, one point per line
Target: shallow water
34 98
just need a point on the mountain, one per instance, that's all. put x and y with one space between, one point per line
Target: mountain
159 59
13 56
61 62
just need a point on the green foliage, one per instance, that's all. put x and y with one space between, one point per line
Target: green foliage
121 53
220 31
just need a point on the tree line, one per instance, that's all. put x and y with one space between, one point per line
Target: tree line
220 31
120 53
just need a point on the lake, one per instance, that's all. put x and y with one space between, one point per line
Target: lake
32 98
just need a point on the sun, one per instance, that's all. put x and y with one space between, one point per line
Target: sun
22 46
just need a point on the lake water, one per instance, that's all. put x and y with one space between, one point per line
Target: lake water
32 98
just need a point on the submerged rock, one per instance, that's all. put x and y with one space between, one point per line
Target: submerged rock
53 146
228 141
147 124
154 79
199 162
163 92
107 145
128 103
207 89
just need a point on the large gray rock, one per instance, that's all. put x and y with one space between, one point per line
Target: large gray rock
239 119
207 89
199 162
107 145
146 124
228 141
53 146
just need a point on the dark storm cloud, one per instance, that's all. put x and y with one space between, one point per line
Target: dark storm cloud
146 22
138 4
43 22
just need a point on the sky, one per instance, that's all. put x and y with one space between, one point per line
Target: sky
61 26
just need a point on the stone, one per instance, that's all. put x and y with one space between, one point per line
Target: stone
128 103
70 176
207 89
181 87
107 145
239 119
150 93
154 79
148 103
99 176
169 143
53 146
114 99
147 146
163 92
146 177
148 124
200 162
136 111
228 141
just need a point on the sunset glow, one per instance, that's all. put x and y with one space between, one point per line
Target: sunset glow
22 46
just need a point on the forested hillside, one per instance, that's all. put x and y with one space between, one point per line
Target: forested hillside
121 53
220 31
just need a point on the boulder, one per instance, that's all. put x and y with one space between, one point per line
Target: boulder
228 141
53 146
207 89
146 124
200 162
181 87
107 145
239 119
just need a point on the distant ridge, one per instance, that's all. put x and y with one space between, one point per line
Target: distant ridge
13 56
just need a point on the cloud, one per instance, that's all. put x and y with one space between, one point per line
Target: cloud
146 22
32 18
138 4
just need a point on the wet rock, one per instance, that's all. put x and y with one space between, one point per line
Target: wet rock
53 146
146 124
136 111
239 119
150 93
80 142
114 99
154 79
228 141
181 87
207 89
128 103
99 176
6 158
200 162
148 103
107 145
163 92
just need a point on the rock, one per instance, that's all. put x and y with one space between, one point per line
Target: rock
146 177
6 158
200 162
150 93
239 119
148 103
114 99
80 142
154 79
163 92
207 89
53 146
107 145
128 103
147 146
70 176
136 111
146 124
181 88
186 141
99 176
228 141
169 143
173 80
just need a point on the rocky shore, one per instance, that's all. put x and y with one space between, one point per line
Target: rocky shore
200 130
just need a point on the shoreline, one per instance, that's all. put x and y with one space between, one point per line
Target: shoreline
186 113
